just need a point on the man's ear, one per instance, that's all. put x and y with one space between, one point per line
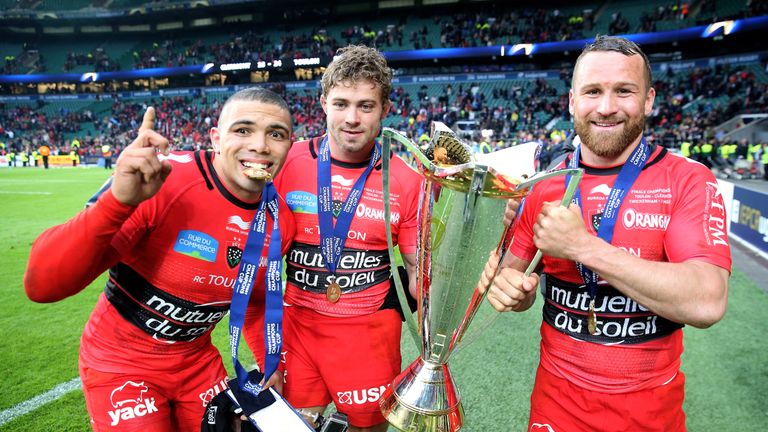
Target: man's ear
215 138
649 101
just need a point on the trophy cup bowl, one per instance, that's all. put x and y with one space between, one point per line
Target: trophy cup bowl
460 215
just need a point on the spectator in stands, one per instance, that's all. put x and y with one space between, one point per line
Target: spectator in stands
610 351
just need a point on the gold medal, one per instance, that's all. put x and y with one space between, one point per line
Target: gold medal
333 291
592 318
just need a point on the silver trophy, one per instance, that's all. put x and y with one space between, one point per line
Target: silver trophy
460 219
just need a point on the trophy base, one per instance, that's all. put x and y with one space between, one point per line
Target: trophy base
423 398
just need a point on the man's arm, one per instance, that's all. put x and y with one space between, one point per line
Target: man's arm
690 292
66 258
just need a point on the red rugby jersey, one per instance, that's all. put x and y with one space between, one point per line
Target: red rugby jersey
173 261
363 272
674 212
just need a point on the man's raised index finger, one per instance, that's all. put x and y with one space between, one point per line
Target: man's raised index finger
148 122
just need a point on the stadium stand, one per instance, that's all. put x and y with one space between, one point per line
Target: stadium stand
505 25
517 101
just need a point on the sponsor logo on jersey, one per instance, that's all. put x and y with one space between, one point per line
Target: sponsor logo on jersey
237 221
361 396
602 189
620 319
338 179
716 233
197 245
651 221
129 402
638 252
366 212
130 392
180 321
217 388
302 202
357 269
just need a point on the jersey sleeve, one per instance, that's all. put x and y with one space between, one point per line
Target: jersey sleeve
522 245
66 258
697 227
410 183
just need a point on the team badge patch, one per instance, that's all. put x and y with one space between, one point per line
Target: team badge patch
234 254
336 208
596 221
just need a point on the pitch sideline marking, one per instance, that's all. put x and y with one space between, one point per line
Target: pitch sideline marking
36 402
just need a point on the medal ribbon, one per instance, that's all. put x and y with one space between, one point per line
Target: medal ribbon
332 238
273 302
629 173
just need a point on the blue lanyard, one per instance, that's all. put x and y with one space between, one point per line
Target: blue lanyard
624 181
273 302
332 238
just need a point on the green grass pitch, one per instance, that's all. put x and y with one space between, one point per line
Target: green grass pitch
726 366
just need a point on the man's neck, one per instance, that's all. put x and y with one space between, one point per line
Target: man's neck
590 158
363 155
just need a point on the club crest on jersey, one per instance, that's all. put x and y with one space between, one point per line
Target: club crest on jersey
234 254
336 208
595 219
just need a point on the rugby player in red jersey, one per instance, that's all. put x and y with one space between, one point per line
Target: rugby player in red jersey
342 335
171 230
643 252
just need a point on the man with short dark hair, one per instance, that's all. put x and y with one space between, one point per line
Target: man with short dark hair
172 230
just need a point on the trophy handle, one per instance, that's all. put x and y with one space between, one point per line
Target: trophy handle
401 293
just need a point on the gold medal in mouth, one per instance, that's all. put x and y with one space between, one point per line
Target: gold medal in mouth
256 171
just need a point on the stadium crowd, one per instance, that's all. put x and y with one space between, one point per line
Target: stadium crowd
693 103
503 25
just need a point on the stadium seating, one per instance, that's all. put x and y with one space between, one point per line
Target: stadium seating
690 100
506 25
